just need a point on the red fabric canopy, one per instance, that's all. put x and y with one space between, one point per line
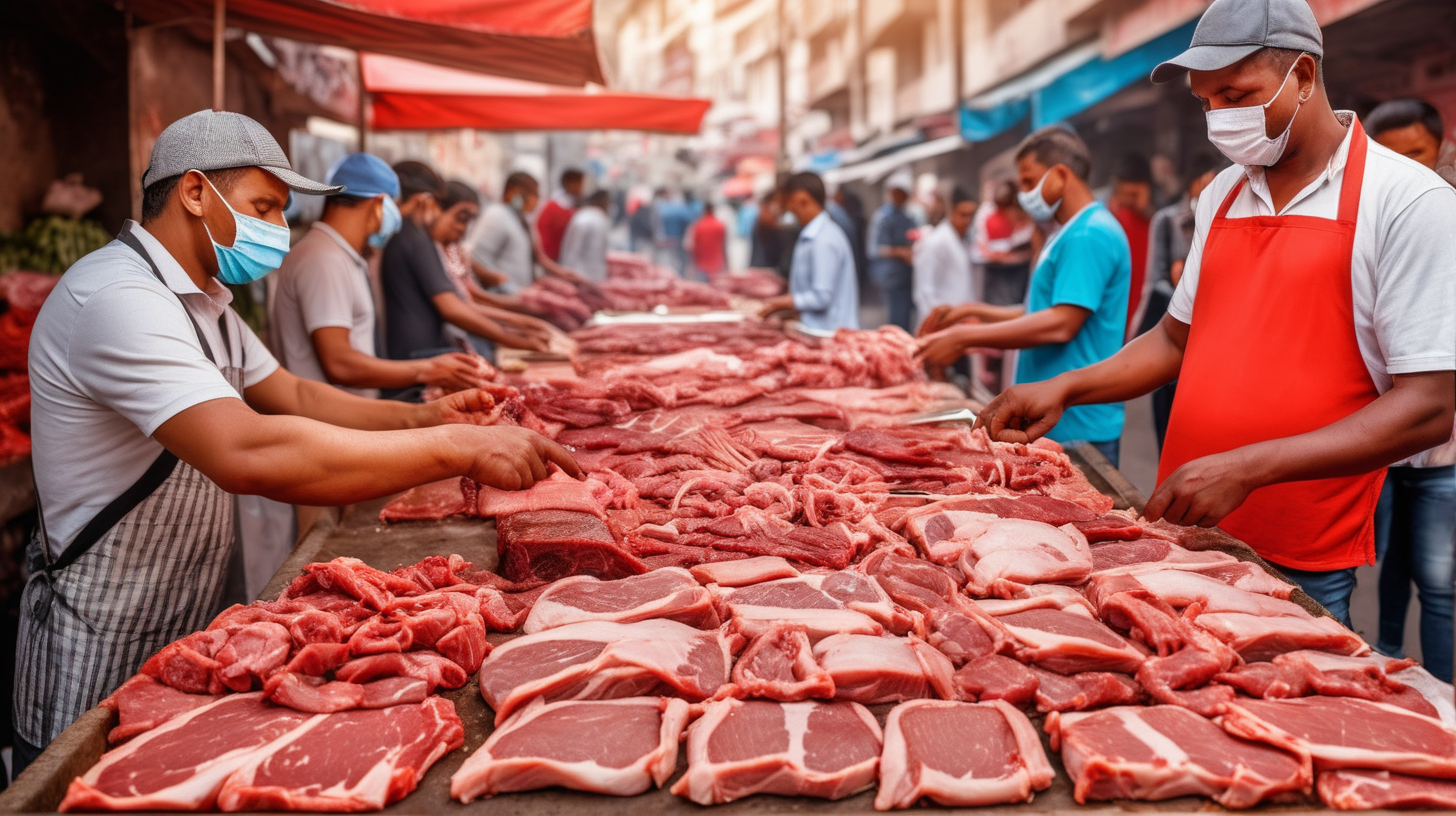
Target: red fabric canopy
540 40
410 95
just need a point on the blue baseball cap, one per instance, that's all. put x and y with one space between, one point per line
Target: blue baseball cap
364 175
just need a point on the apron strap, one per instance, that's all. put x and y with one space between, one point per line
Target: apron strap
1228 200
1354 173
157 473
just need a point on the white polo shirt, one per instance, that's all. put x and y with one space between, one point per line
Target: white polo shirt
112 357
504 246
1403 268
322 284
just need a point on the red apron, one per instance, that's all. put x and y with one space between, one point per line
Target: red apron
1272 353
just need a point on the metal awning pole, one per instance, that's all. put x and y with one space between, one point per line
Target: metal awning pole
219 64
363 103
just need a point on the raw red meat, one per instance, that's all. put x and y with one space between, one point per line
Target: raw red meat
548 545
1162 752
668 593
1012 553
1112 527
1258 637
436 500
1067 642
780 665
558 492
251 654
1346 732
182 764
142 703
1383 790
742 747
614 747
869 669
916 584
431 667
600 660
996 677
745 571
312 694
352 761
824 603
1078 692
960 755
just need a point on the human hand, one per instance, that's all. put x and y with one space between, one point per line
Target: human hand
453 371
1023 413
469 407
1202 492
944 347
774 305
511 458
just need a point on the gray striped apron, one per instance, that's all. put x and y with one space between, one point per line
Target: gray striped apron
156 571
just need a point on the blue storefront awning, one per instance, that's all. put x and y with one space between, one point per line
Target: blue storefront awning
1067 85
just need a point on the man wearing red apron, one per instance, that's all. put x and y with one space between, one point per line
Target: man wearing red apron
1312 333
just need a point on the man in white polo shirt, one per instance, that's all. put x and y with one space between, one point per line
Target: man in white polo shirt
1312 333
320 306
154 403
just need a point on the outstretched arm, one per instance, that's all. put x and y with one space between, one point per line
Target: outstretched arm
301 461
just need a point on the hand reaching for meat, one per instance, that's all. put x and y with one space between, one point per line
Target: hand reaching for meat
451 372
1023 413
515 458
471 407
1202 492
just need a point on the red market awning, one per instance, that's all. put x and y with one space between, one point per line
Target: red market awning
408 95
539 40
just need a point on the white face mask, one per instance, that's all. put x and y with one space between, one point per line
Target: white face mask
1239 133
1036 207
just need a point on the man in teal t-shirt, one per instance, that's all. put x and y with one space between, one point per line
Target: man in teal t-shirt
1076 310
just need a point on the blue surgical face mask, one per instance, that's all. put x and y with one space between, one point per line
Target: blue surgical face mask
1036 207
258 246
389 224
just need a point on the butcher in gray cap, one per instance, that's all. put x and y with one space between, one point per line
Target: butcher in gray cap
1311 334
154 403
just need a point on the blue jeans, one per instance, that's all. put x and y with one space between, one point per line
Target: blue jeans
1415 540
899 305
1112 450
1330 588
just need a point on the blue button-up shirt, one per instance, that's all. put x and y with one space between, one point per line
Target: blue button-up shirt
822 280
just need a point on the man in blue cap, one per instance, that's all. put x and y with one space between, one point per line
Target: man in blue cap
321 307
1311 333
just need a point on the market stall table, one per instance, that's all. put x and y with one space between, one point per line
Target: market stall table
357 532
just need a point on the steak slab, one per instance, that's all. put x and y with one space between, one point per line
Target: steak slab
1346 732
616 747
960 755
670 593
742 747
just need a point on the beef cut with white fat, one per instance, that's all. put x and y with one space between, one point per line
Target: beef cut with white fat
960 755
615 747
742 747
1346 732
1377 790
600 660
1162 752
869 669
669 593
823 603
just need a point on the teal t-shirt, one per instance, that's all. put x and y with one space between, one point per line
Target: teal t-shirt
1088 264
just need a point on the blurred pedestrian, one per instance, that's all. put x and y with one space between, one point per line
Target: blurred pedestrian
1171 236
890 252
504 245
1003 242
639 226
556 215
584 249
1131 203
767 249
672 220
822 291
943 260
709 240
1415 521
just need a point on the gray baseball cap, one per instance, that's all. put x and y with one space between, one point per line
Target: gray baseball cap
217 140
1233 29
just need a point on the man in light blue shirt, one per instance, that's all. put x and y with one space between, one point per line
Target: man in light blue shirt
822 285
1076 309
